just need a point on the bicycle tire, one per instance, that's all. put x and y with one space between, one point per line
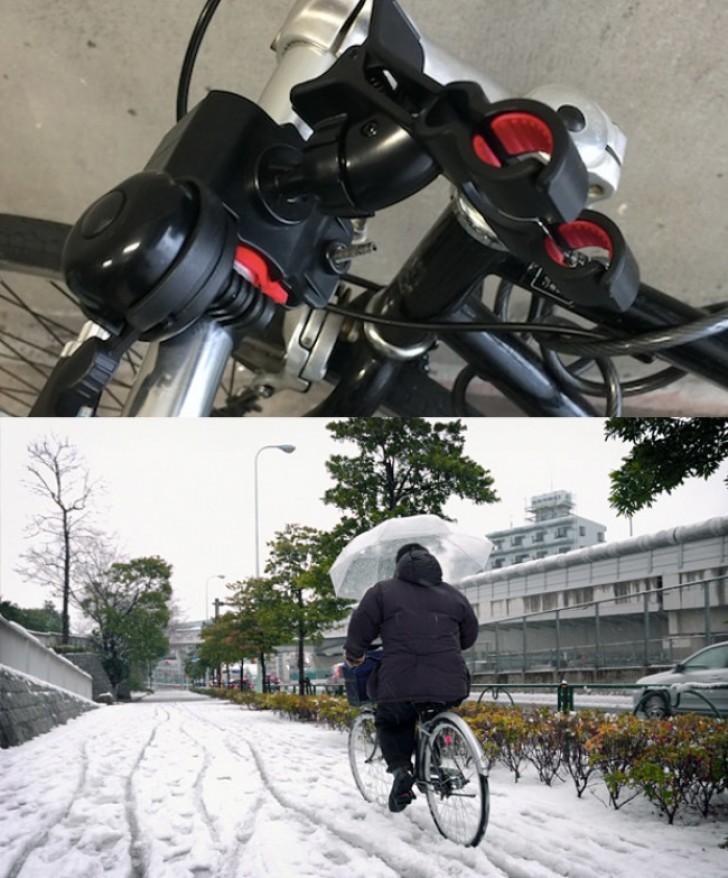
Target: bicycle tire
39 316
456 781
366 759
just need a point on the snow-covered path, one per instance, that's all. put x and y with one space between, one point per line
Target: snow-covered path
175 788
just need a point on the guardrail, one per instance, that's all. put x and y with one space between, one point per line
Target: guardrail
564 693
22 652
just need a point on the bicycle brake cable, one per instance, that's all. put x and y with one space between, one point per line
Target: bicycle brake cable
193 47
567 339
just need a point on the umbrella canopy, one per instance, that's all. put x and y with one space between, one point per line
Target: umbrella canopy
369 557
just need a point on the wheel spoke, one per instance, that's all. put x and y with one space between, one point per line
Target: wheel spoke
457 792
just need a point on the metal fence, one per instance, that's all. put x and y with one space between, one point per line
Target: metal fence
651 628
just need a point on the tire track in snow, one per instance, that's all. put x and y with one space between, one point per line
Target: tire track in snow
136 852
244 832
423 856
84 790
197 790
36 840
411 864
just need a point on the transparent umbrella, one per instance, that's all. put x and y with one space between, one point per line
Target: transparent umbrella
369 557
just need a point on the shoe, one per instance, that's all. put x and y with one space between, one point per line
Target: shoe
401 794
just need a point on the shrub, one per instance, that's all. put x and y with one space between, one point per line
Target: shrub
576 730
616 746
683 764
543 745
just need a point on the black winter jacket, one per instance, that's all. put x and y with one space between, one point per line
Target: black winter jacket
424 624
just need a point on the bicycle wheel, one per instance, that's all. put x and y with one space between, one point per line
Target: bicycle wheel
366 760
457 786
39 316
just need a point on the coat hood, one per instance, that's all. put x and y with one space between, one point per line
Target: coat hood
420 567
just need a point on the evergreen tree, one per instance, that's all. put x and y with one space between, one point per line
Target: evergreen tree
298 567
665 452
401 467
44 620
129 603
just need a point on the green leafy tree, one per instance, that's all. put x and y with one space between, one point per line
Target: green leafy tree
665 452
298 567
129 603
45 619
196 668
260 619
219 646
404 466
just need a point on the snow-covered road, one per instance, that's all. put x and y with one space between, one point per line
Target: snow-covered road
168 788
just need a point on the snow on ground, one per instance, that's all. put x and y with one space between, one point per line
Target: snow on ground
179 786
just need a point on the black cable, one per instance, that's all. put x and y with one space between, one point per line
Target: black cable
546 329
363 283
565 340
193 47
650 342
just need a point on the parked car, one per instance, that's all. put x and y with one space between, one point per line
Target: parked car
706 670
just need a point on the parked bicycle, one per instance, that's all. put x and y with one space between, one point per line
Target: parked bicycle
234 247
449 770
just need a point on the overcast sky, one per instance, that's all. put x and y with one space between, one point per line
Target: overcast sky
184 490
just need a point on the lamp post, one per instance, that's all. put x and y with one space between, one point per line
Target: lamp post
288 450
207 583
207 601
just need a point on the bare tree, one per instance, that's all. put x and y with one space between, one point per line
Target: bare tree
64 541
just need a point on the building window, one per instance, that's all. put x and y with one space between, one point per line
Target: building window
519 559
600 536
562 533
518 541
538 537
582 531
498 562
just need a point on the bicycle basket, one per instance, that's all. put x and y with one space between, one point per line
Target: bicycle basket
355 679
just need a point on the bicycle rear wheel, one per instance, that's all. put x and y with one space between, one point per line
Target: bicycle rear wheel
457 786
366 760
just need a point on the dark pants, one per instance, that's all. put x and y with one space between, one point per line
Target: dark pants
396 722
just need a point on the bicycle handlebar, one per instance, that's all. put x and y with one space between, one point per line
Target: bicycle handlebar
356 121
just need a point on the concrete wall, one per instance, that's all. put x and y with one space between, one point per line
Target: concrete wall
30 707
23 652
91 664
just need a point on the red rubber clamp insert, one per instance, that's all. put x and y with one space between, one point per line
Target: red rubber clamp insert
251 265
578 236
517 133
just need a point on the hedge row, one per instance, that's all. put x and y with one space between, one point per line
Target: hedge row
676 763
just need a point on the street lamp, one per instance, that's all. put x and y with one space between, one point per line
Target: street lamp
207 583
288 449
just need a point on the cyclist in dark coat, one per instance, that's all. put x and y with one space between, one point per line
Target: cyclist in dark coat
424 624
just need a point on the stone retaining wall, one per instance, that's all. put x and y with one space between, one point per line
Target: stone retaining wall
30 707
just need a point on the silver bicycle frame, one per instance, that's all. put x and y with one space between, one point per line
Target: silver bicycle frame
180 377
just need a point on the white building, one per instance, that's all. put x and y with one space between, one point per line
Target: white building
552 529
